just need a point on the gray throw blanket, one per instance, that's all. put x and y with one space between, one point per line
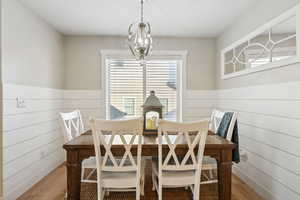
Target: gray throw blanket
222 131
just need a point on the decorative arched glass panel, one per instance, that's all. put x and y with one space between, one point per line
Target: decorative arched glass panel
272 45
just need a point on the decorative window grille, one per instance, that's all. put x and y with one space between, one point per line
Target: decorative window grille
272 45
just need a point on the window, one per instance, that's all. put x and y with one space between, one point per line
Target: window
129 106
272 45
129 83
164 102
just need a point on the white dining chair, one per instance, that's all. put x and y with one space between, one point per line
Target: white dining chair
215 120
73 127
209 163
183 171
113 173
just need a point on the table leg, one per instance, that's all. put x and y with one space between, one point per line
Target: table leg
224 175
73 175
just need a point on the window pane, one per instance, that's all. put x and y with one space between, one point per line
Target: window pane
129 106
162 78
164 102
284 36
126 85
125 80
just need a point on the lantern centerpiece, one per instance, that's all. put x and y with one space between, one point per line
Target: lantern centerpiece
152 111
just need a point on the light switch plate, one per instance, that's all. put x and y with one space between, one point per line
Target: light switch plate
21 102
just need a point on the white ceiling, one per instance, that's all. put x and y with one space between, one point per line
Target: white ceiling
167 17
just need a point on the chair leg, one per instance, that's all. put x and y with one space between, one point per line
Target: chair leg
101 192
192 188
138 193
196 192
143 182
159 191
82 173
153 182
143 187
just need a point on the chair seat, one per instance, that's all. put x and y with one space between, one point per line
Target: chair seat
122 179
175 178
209 163
89 163
118 179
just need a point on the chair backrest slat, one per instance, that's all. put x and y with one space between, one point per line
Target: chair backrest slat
215 120
72 124
192 134
106 132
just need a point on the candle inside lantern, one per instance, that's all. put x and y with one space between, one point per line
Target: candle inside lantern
152 110
151 120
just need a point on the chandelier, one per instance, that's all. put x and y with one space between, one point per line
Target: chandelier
139 38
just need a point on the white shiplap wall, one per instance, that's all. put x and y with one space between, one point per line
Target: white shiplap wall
198 104
269 124
31 136
269 118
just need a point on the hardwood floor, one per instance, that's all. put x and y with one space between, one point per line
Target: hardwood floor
53 187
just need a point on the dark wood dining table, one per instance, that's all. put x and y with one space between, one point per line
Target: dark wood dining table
82 148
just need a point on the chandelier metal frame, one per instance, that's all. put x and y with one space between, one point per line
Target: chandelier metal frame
139 37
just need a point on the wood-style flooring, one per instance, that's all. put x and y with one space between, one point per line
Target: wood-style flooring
53 187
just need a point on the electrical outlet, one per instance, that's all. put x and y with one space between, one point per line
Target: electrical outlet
21 102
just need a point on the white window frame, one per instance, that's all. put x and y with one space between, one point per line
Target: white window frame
119 54
295 11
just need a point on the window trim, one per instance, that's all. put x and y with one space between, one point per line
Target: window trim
295 11
106 54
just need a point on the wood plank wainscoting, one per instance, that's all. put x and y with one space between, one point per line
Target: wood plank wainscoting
269 131
32 141
268 120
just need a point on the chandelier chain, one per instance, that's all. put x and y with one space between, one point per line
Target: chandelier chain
142 11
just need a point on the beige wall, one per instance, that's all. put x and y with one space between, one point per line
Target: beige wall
83 61
32 50
252 19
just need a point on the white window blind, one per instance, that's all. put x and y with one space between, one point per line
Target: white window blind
128 80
